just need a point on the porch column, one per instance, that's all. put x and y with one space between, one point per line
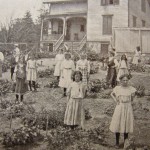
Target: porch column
64 26
49 27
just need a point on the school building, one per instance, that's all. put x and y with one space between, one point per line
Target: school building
90 23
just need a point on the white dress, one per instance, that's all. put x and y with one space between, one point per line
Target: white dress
123 69
74 114
122 120
84 67
58 60
67 68
136 57
31 70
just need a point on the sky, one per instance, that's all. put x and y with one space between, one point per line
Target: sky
17 9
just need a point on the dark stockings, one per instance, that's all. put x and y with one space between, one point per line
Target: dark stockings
17 97
65 89
125 136
30 85
34 86
12 72
21 98
117 138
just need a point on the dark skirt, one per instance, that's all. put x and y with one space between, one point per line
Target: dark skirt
112 76
21 86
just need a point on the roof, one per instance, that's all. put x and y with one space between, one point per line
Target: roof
56 1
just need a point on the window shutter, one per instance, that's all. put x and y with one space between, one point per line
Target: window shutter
109 24
104 24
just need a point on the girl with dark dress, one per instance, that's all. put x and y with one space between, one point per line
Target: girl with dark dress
21 87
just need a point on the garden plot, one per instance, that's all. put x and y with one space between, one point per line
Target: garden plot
48 106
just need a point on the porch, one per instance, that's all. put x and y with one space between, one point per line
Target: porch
57 30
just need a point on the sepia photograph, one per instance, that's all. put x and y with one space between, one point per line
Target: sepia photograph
74 74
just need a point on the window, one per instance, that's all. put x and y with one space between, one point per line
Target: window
134 21
82 28
143 5
109 2
107 24
143 23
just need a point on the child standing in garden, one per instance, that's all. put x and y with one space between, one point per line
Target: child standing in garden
32 72
67 69
21 86
122 120
123 67
58 60
74 115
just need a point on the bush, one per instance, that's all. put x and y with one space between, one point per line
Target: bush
94 68
96 85
46 73
5 86
52 84
21 136
51 119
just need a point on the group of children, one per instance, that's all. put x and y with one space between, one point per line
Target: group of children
74 78
25 69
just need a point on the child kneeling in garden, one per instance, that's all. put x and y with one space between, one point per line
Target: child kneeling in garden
74 115
122 120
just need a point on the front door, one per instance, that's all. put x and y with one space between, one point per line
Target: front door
104 49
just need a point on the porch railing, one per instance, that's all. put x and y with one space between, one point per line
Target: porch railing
52 37
82 43
58 43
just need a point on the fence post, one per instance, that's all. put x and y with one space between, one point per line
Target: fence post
46 123
10 119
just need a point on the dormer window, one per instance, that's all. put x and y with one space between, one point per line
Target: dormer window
109 2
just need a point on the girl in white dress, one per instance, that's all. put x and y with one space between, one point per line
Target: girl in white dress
58 60
32 72
137 56
83 66
67 69
123 67
122 120
74 115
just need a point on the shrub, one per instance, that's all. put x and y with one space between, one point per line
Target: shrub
21 136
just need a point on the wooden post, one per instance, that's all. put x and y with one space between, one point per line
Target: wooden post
10 119
46 124
41 31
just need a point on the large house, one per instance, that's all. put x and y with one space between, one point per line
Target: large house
90 23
